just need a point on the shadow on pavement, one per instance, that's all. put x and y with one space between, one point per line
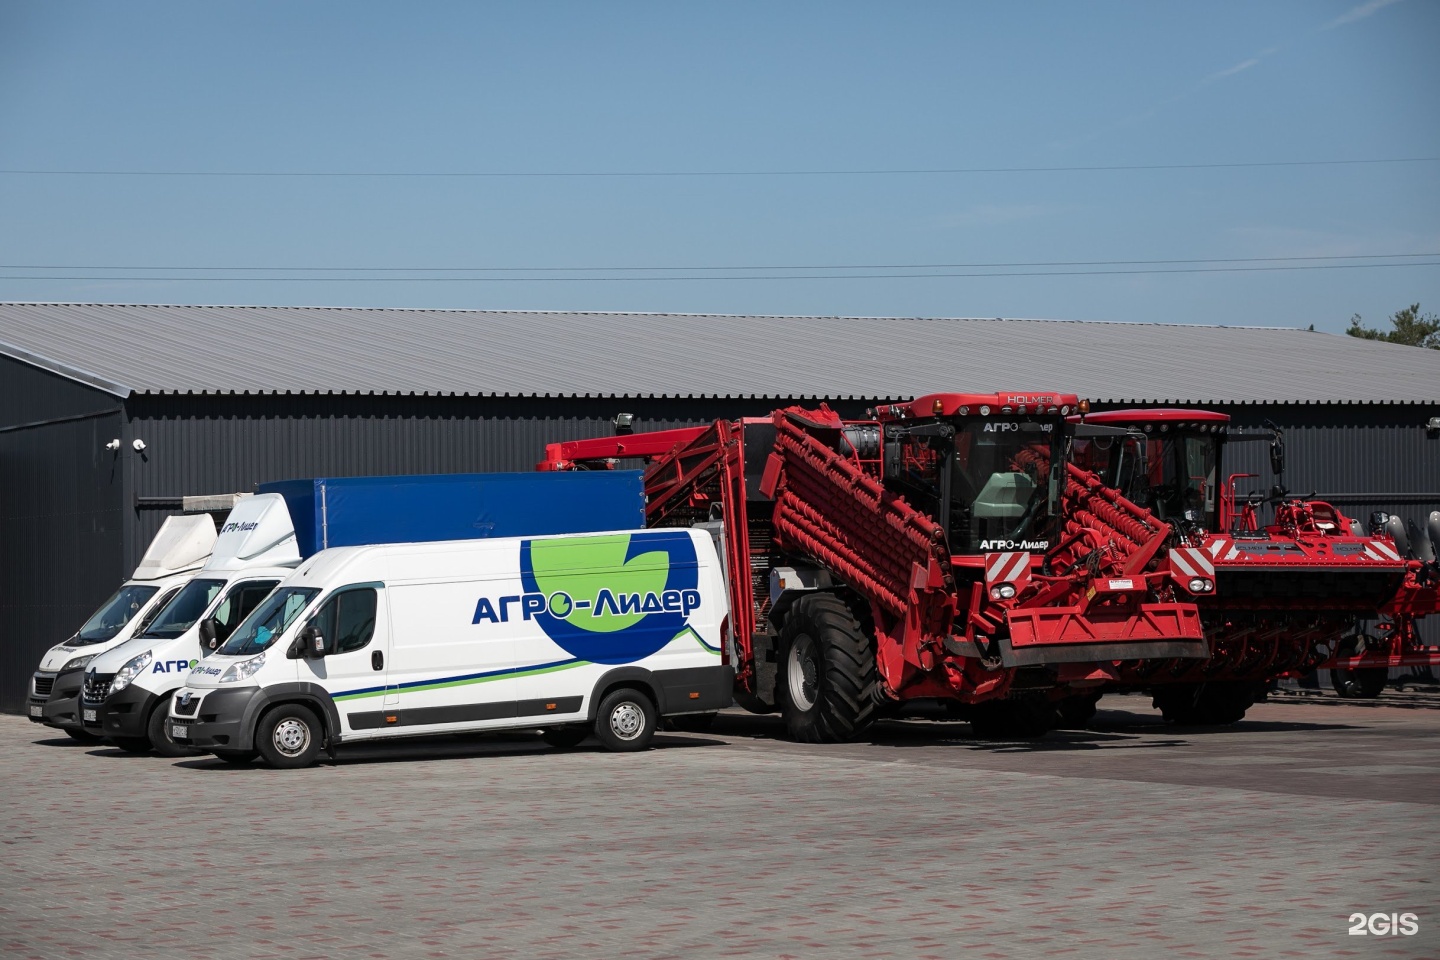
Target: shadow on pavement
447 747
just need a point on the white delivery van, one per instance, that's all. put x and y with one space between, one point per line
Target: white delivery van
573 634
127 689
181 547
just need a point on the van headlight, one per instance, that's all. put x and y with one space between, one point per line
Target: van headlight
243 670
78 662
132 669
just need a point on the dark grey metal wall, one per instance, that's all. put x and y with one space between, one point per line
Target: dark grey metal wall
228 444
76 518
61 515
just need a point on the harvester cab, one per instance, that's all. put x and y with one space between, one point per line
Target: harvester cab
988 468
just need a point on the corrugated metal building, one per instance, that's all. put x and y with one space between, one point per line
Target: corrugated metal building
223 398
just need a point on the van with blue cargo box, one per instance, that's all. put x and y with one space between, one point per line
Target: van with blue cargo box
353 511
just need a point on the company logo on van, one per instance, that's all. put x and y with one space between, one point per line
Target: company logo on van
607 599
238 527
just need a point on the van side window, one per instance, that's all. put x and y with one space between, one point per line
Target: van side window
347 621
238 604
155 610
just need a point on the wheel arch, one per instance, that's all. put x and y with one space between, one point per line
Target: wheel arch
637 677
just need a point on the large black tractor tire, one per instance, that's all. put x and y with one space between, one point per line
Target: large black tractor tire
1363 684
1211 704
1025 719
1366 684
827 672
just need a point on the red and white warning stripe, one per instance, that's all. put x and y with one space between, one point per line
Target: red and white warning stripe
1222 549
1011 567
1381 550
1192 562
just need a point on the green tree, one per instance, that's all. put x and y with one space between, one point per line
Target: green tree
1411 329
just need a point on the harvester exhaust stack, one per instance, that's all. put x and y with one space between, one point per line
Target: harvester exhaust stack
1394 527
1422 544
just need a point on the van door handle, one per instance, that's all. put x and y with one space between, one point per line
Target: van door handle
377 660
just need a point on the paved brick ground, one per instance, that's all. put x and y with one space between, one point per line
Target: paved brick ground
1129 841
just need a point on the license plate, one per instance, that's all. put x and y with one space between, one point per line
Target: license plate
36 711
90 716
179 731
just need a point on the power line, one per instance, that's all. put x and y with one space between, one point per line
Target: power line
921 171
805 266
822 276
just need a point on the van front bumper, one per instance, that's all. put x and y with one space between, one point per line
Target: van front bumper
62 707
121 714
219 719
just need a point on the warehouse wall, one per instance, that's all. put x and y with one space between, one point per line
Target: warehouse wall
228 444
61 515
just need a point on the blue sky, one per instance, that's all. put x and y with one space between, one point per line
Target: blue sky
735 88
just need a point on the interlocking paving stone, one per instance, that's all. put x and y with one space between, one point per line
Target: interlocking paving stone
1132 840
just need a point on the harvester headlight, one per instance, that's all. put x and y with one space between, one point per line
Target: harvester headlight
984 410
1065 410
1201 585
1002 591
132 669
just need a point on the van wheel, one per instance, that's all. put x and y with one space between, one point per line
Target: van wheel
625 721
288 737
827 672
132 744
564 738
238 758
82 736
157 730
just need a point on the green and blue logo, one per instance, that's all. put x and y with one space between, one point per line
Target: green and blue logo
611 599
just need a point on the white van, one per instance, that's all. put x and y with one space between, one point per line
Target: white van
573 634
127 689
181 547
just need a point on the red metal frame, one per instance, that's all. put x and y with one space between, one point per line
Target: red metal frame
939 632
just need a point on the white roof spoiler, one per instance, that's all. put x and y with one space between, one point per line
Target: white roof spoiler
181 544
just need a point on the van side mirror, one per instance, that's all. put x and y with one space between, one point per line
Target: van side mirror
209 633
311 643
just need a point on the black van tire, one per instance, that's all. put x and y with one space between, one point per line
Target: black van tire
626 720
157 730
825 652
132 744
565 738
288 737
82 736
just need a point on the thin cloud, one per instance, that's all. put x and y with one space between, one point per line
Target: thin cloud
1358 13
1231 71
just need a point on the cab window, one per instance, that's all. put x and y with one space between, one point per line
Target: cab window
237 605
347 620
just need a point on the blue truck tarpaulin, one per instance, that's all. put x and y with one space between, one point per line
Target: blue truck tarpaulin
351 511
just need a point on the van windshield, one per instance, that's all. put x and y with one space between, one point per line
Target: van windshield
114 614
268 621
181 613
